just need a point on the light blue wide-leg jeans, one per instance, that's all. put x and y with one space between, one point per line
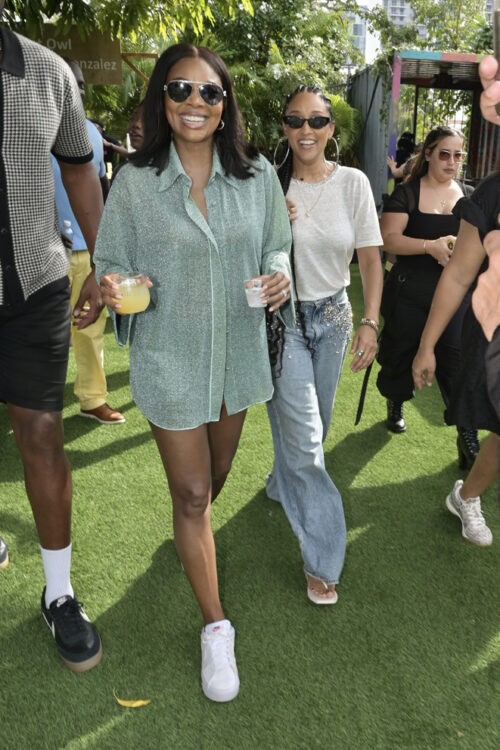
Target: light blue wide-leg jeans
300 413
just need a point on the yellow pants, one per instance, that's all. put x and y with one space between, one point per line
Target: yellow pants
88 343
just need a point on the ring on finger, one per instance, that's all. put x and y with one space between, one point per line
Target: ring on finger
360 352
284 293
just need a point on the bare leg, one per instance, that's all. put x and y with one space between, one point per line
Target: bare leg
188 461
224 437
47 476
484 470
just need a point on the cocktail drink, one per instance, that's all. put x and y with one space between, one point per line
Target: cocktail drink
133 287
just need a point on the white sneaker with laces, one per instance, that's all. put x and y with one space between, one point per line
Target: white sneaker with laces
469 511
219 674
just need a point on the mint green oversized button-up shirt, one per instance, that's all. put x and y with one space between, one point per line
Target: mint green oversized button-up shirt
198 342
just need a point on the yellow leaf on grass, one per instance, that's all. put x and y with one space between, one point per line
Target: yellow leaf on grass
130 704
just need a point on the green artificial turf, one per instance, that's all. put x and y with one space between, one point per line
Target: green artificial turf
409 658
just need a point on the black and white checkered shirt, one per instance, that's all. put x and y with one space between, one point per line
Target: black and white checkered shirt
40 111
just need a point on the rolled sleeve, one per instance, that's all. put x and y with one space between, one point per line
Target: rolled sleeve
72 143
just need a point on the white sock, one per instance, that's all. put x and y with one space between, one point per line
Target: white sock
57 566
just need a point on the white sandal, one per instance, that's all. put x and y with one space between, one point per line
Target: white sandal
316 598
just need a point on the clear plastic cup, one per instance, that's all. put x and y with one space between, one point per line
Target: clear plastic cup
133 287
253 289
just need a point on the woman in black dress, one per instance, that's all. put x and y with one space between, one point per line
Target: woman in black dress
418 225
470 405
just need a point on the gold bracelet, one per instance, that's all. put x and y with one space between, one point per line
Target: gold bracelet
369 322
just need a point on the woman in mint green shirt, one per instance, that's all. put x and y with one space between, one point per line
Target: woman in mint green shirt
200 213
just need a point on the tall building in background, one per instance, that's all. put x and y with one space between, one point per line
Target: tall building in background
400 13
359 30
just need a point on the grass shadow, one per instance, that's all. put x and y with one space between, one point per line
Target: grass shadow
356 450
385 629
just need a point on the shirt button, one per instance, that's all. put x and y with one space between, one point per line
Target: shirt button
227 368
3 230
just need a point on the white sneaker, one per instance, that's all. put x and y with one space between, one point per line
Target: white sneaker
219 674
469 511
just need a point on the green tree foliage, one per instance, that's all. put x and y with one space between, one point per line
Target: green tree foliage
391 36
120 17
142 25
280 46
269 48
451 26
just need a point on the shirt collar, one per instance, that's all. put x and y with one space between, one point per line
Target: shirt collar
174 170
13 58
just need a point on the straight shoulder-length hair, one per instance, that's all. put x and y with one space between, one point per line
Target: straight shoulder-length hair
235 153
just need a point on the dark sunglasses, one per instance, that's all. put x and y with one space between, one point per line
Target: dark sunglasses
316 123
180 90
444 155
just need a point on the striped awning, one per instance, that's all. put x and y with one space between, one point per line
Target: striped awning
440 70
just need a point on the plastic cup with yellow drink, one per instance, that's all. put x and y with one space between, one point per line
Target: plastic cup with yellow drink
133 287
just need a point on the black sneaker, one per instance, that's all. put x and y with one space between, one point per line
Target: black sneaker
77 640
4 554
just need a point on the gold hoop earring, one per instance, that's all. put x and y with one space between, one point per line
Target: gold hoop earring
278 166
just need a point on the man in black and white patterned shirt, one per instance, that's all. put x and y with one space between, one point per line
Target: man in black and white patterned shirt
41 112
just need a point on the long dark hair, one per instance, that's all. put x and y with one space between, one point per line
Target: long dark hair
420 166
235 153
285 171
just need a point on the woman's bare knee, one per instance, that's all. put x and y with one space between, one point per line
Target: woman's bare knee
191 499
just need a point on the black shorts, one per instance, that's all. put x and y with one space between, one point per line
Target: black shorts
34 347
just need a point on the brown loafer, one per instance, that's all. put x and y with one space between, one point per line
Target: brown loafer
104 414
